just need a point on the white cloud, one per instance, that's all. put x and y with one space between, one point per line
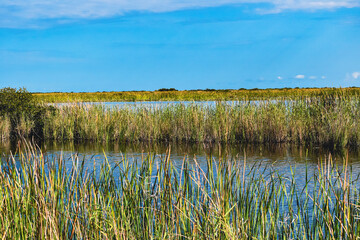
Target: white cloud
300 76
315 4
279 77
26 10
352 77
313 77
323 77
356 75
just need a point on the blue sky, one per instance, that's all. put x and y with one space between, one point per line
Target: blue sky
117 45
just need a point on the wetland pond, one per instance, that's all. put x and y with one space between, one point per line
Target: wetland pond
279 157
293 162
283 158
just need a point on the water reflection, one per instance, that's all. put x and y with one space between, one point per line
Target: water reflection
284 159
162 104
275 154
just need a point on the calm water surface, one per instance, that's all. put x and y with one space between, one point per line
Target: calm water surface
159 104
281 157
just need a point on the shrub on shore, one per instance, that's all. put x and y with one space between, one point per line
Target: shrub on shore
20 114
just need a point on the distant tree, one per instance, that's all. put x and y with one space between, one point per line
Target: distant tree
166 89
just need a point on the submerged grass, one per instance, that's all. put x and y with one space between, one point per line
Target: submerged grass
42 198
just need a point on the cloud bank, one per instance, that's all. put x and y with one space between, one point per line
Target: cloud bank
356 75
300 76
25 10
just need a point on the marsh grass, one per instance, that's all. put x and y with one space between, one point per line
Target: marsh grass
318 121
42 197
5 128
193 95
330 120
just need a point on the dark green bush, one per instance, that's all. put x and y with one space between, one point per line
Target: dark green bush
14 102
166 89
19 106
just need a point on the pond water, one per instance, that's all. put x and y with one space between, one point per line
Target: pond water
141 103
157 104
282 157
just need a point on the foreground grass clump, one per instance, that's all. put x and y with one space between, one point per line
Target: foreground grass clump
327 120
41 198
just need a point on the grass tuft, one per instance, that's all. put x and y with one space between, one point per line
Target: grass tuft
41 197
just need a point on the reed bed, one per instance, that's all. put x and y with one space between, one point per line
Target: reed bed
320 121
43 197
331 121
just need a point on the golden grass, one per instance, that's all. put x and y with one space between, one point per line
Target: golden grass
192 95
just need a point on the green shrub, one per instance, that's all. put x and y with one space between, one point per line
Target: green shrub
22 110
13 102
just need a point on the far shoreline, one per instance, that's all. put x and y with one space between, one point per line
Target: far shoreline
171 94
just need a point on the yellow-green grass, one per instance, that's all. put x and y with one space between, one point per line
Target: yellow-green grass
334 123
42 197
191 95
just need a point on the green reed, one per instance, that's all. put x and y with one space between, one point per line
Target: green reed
5 128
43 198
334 123
329 120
